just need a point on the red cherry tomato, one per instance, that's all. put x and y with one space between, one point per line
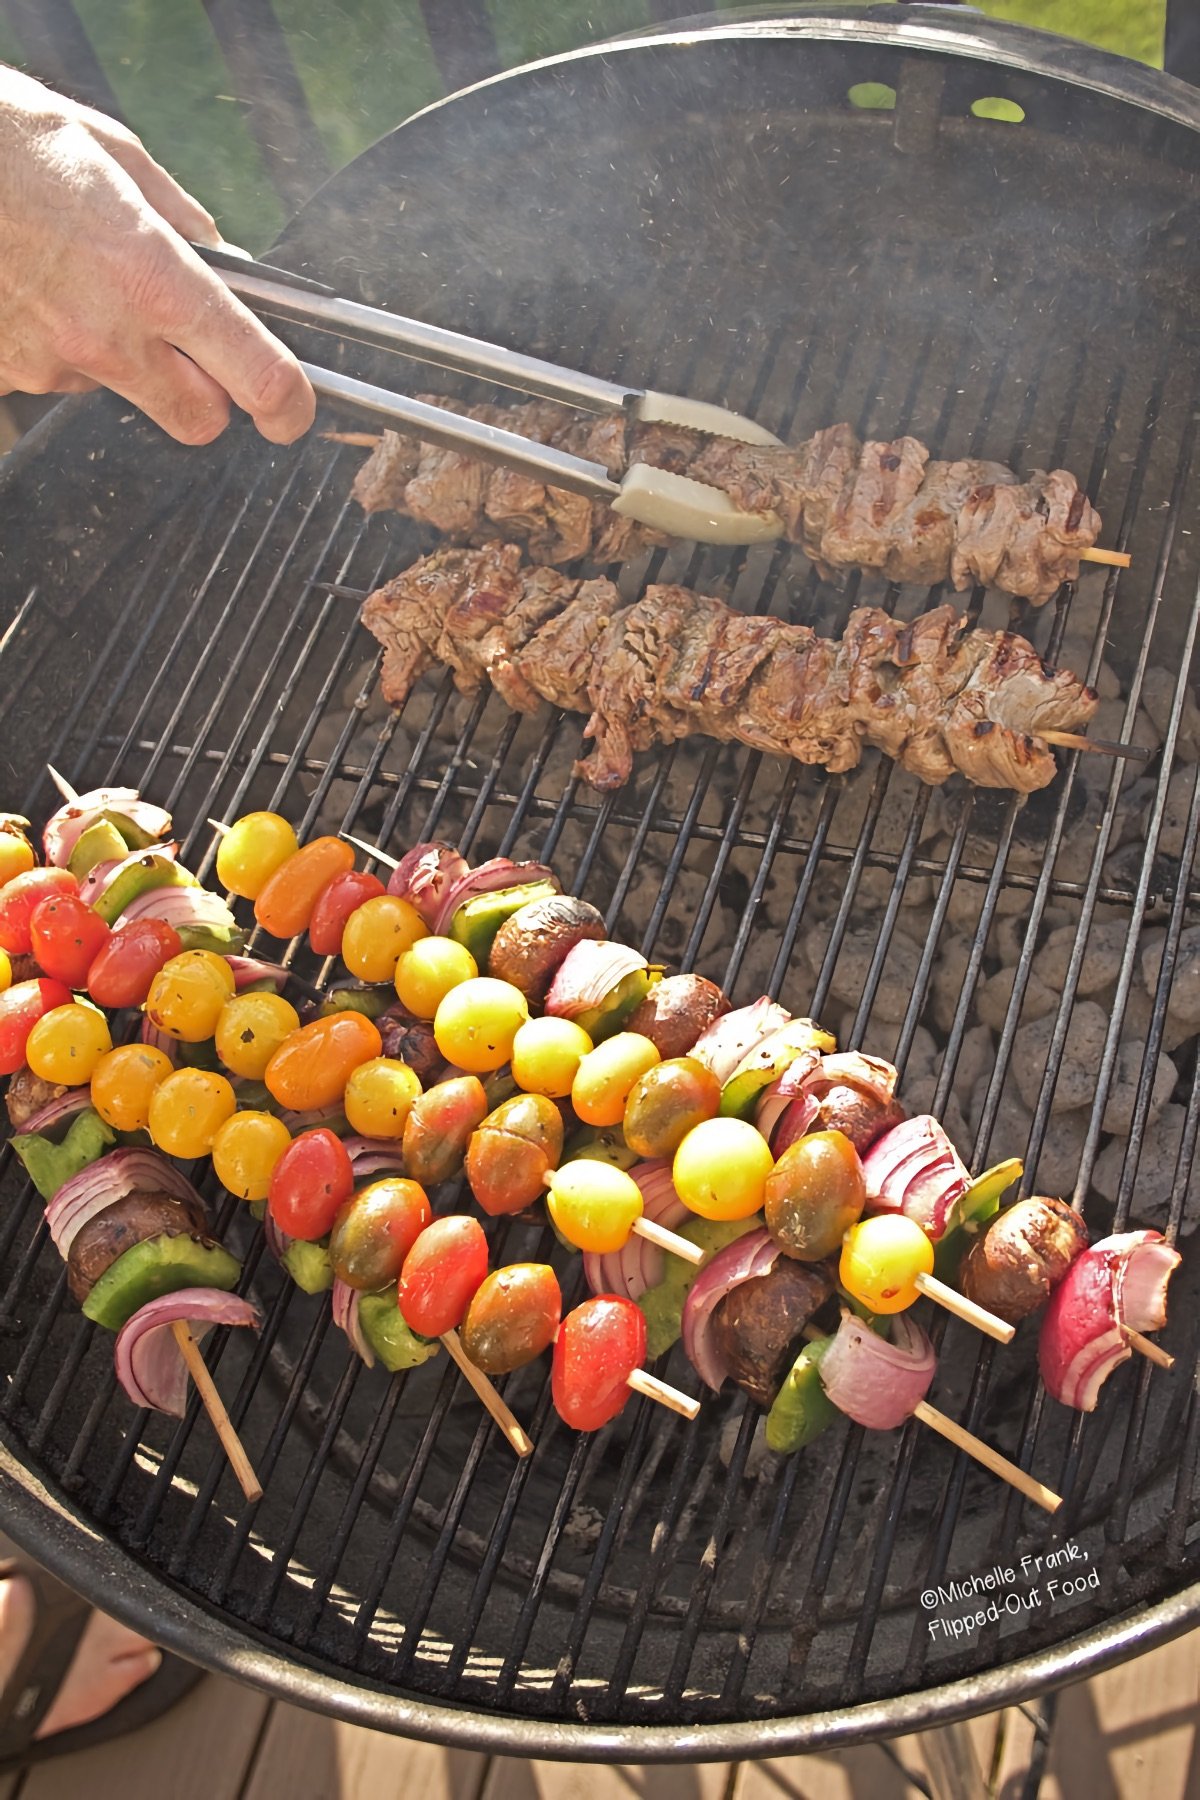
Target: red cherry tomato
285 904
66 936
20 1009
20 896
599 1346
123 971
344 895
441 1273
310 1181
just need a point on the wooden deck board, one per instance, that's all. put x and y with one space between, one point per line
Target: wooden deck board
315 1758
512 1778
200 1750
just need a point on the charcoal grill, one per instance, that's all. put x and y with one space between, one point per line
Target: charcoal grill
710 210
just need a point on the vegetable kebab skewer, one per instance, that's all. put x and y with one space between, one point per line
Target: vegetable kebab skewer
180 1325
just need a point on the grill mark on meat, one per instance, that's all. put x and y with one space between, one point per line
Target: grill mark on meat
847 504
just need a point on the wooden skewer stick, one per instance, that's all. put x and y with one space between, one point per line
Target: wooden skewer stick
1146 1348
1074 740
1116 559
389 862
219 826
214 1406
965 1309
991 1459
362 440
669 1240
643 1383
62 784
507 1421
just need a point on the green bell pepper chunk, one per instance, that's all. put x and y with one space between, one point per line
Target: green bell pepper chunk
101 842
606 1020
801 1409
49 1165
663 1303
477 921
308 1265
383 1326
222 940
970 1213
158 1266
369 1001
154 870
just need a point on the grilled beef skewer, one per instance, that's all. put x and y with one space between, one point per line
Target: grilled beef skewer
848 504
934 694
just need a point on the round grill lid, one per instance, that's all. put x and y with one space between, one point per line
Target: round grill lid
715 211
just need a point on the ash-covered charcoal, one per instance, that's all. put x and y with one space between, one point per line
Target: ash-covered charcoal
933 693
849 505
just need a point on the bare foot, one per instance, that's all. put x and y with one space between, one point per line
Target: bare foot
109 1663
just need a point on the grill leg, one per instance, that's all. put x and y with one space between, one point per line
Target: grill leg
951 1764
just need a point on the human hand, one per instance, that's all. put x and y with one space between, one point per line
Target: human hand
99 285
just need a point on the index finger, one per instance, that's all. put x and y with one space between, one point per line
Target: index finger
257 372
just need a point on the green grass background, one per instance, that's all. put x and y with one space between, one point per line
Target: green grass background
367 64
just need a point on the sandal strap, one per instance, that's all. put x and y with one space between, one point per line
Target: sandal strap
60 1618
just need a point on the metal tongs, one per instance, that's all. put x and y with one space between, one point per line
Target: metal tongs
675 504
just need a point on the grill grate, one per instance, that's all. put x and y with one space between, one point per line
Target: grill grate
662 1573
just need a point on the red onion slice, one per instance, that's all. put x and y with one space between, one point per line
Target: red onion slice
798 1118
149 1033
101 878
59 1111
424 876
372 1157
1119 1282
247 970
731 1038
149 1363
345 1317
180 906
639 1265
65 827
489 878
745 1259
875 1382
103 1183
588 974
914 1169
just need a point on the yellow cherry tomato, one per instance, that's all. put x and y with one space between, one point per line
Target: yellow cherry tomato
66 1044
5 970
123 1082
246 1149
594 1204
377 934
881 1260
188 1109
379 1097
546 1055
250 1029
606 1075
16 853
187 994
475 1024
426 973
310 1069
251 850
720 1169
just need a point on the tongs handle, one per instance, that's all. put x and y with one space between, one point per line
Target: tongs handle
312 303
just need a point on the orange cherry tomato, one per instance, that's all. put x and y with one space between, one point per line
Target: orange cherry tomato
285 904
310 1069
